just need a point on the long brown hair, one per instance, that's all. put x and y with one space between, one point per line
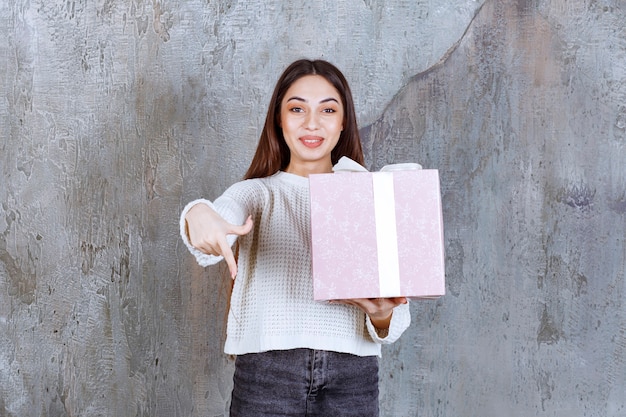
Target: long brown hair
272 153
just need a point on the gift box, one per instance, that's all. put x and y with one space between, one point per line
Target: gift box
377 234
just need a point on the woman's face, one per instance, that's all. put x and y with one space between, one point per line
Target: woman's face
311 117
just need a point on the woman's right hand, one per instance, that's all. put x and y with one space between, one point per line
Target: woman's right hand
207 232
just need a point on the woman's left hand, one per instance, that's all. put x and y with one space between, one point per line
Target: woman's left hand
379 310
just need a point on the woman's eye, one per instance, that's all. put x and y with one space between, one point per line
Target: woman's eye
296 109
329 110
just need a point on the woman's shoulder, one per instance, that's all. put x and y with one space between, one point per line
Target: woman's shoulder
246 186
287 179
279 182
279 179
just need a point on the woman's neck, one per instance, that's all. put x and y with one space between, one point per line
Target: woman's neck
305 169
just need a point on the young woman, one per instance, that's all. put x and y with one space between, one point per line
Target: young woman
295 356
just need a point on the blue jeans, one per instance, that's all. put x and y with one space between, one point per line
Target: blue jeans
305 383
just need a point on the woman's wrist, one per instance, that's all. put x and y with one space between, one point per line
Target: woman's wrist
381 323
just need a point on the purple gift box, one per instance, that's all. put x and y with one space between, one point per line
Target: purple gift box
377 234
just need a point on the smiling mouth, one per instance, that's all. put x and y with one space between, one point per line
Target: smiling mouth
311 141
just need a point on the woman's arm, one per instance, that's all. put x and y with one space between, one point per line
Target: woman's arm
205 232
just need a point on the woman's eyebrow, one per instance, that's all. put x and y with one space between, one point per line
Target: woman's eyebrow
297 99
326 100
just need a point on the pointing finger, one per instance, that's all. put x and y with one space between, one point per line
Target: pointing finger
229 257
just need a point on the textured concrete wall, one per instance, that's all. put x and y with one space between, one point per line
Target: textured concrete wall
115 113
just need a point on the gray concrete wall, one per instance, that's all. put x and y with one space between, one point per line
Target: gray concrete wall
115 113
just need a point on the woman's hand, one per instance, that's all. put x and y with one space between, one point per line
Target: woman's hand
207 232
379 310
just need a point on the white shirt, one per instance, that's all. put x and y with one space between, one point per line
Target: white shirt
272 306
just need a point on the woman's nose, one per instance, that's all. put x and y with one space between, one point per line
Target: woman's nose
311 122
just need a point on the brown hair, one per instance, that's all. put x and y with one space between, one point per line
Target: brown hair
272 153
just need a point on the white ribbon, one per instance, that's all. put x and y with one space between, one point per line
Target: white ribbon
386 234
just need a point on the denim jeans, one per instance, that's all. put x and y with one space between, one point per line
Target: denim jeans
305 383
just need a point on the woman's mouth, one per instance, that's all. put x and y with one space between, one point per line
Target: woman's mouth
311 141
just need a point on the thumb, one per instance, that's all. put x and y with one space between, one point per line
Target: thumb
244 229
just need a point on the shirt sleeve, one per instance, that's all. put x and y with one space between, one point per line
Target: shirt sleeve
400 321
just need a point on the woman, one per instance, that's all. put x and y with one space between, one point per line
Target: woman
295 356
